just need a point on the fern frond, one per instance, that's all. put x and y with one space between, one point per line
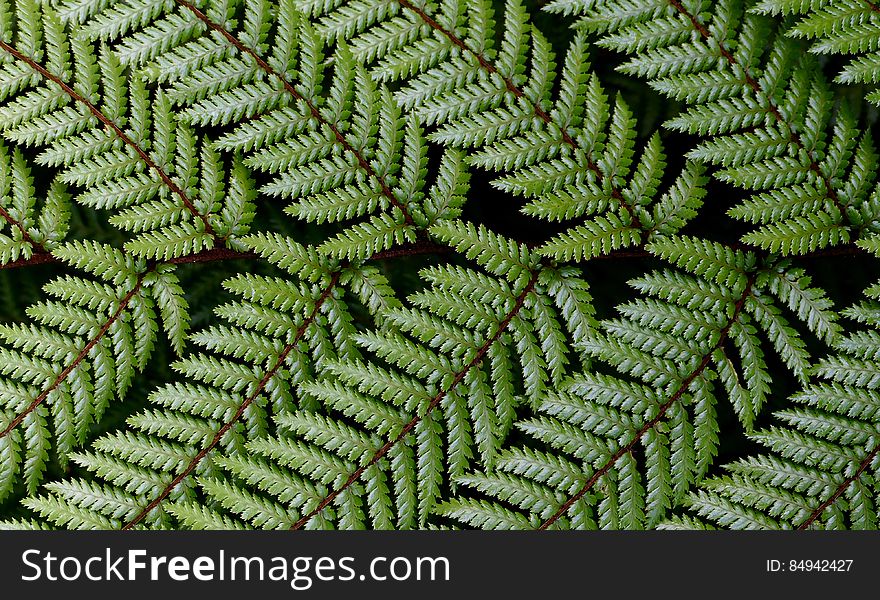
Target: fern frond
279 331
454 379
850 28
32 229
115 142
80 353
608 452
449 394
338 154
767 116
573 157
820 463
492 397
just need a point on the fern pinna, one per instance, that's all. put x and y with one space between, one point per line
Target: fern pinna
818 471
845 28
766 110
405 213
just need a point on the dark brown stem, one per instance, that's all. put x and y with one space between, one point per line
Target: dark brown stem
675 397
316 114
220 254
415 249
518 92
845 250
412 250
704 32
79 358
215 254
616 254
108 123
435 401
24 234
241 409
863 466
37 258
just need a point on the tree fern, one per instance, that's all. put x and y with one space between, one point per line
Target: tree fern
81 352
391 473
108 158
571 156
336 171
441 335
610 452
456 352
768 115
297 322
97 333
118 168
572 159
850 29
28 229
819 468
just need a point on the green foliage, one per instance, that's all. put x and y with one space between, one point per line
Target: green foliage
273 337
114 142
850 29
573 156
414 323
818 471
766 112
692 341
450 399
80 351
27 228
